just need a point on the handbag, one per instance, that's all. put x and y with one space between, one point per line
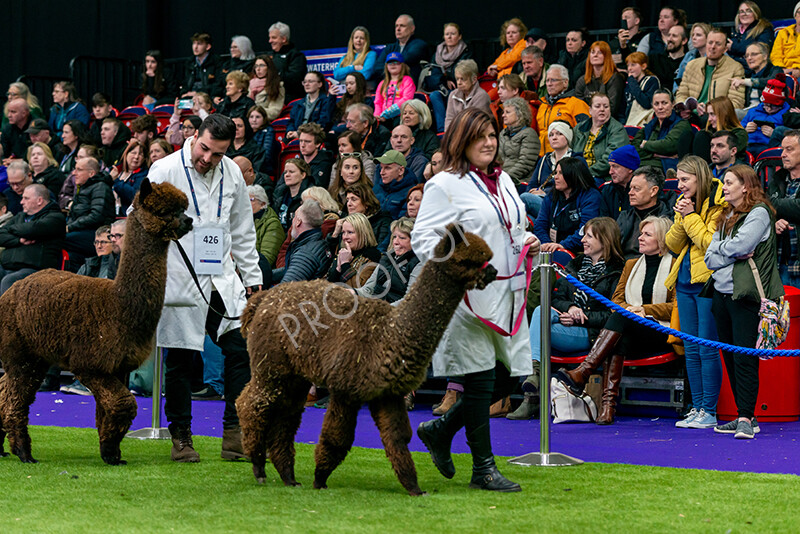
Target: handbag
568 408
773 326
638 115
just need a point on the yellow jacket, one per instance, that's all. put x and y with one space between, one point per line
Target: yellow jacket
695 75
695 231
786 50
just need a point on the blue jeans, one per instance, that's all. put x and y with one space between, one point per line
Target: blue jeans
213 363
703 364
563 338
786 278
533 203
439 105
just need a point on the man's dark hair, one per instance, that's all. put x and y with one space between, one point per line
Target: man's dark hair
203 37
730 139
219 126
584 33
653 175
145 123
793 133
312 128
100 99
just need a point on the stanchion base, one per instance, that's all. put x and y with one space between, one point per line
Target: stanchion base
545 459
149 433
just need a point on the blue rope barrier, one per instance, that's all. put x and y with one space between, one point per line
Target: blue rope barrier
762 353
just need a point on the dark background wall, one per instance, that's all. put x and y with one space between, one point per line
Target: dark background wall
40 37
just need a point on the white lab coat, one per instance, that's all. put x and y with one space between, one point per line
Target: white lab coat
469 346
183 318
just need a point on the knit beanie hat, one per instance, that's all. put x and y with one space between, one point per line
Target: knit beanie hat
625 156
796 8
773 93
563 127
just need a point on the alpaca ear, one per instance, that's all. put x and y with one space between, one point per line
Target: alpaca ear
456 233
145 189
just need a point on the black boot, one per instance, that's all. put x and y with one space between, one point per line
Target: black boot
437 435
485 474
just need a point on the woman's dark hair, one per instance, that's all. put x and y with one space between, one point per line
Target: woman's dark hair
368 198
261 111
353 137
465 129
272 84
222 128
248 130
356 98
754 195
158 77
664 91
576 174
195 120
79 131
133 144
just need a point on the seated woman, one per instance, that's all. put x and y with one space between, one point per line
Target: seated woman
355 92
748 27
641 291
66 106
158 85
357 255
44 168
182 128
559 134
639 91
236 102
20 90
361 199
417 115
413 200
575 318
758 72
349 143
512 39
269 232
349 170
509 86
602 77
245 145
286 197
600 135
468 94
158 149
359 58
242 56
573 201
518 146
399 266
128 175
395 88
661 136
786 49
442 77
316 106
266 87
721 116
73 136
264 137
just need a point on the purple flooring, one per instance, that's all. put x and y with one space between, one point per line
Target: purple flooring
632 440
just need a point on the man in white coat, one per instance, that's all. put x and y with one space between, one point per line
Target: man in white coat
223 233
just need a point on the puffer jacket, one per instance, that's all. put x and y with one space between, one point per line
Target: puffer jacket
662 139
726 69
269 233
563 107
786 49
45 228
693 234
519 151
740 41
52 179
307 258
610 137
758 113
93 204
596 313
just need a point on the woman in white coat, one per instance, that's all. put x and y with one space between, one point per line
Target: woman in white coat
219 207
474 191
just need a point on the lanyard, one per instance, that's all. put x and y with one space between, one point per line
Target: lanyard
194 196
504 220
557 212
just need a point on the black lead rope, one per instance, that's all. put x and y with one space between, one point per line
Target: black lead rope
197 282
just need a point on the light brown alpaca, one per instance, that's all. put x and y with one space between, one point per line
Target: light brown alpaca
98 329
363 350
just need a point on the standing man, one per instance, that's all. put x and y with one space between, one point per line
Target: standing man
665 65
288 59
223 233
413 49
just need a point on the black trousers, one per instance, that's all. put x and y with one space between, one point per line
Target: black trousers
178 372
637 341
737 324
481 389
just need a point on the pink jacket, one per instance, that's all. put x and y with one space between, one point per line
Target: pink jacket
394 95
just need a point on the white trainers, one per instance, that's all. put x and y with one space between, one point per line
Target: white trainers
703 420
684 423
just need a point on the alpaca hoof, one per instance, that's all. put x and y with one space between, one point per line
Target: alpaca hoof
3 454
292 483
418 493
261 480
259 473
28 460
114 460
320 486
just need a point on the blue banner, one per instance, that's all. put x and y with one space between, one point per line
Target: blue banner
324 60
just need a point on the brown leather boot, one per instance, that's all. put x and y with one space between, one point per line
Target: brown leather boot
232 444
575 380
182 445
451 396
612 376
500 408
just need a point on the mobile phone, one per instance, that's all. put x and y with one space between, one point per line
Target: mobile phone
765 123
185 103
623 25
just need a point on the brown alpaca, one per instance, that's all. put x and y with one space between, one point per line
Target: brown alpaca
99 329
363 350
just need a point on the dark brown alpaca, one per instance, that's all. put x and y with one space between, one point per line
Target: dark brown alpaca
363 351
98 329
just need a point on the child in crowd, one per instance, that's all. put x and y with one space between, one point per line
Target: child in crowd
396 87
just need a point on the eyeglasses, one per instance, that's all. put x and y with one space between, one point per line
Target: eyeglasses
350 154
553 80
116 236
745 11
752 54
12 94
102 242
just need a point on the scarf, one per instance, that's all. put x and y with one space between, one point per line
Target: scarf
633 286
490 180
588 274
445 59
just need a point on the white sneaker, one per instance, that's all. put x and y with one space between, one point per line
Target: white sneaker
684 423
703 420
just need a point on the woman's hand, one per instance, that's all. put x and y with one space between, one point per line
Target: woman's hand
338 228
345 256
701 108
491 70
114 172
684 206
578 317
638 310
750 127
565 319
359 68
642 144
737 82
550 247
451 85
535 244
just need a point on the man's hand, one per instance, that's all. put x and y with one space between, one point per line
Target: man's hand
781 225
252 290
533 241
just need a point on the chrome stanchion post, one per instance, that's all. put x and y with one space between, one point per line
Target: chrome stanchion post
544 457
155 431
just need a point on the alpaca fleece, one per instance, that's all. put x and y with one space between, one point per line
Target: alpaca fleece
98 329
363 350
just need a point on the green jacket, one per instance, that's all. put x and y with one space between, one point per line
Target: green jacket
610 137
665 145
269 234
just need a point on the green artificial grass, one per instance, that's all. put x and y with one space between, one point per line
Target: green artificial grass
71 490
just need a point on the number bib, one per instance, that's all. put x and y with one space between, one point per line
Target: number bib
515 269
208 249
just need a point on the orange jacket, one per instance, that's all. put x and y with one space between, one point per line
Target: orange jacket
565 108
508 58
